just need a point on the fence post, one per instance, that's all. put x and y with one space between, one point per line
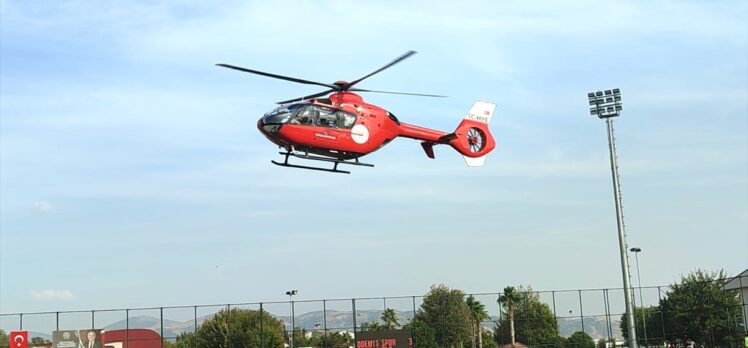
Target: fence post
442 325
415 325
324 321
194 336
262 332
606 307
228 325
293 323
662 314
161 316
127 327
581 312
353 307
498 303
20 320
553 297
527 321
743 309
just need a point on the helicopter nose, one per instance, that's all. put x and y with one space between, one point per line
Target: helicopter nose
267 129
261 126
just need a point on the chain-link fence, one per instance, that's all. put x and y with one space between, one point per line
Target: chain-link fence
667 316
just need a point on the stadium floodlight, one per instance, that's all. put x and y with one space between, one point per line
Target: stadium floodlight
605 104
290 294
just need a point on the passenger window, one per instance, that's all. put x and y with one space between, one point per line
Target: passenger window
312 115
345 120
327 117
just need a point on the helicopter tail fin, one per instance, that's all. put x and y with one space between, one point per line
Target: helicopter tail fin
473 138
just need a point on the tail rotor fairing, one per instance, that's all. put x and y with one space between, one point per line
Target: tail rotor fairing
476 140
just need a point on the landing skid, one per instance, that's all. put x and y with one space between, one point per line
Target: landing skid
334 169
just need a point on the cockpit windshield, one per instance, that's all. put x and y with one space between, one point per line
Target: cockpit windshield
281 114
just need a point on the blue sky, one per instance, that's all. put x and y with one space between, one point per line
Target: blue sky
132 174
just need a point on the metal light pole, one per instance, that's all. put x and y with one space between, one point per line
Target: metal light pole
290 294
606 105
636 252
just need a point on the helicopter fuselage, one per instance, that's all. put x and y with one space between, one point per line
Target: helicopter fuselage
343 127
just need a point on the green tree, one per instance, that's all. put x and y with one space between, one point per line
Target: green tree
331 340
508 300
186 340
4 339
653 319
699 308
300 337
534 322
390 319
602 343
371 326
445 310
580 339
236 328
423 334
38 341
478 314
487 339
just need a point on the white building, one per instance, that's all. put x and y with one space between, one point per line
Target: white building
740 282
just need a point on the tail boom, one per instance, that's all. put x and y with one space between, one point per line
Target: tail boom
472 138
421 133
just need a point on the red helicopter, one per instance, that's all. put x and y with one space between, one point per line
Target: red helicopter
342 127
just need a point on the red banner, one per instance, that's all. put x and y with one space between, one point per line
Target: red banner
19 339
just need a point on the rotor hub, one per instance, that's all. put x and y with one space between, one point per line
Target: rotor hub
340 83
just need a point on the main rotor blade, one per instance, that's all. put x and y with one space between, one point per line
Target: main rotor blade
280 77
387 92
397 60
307 97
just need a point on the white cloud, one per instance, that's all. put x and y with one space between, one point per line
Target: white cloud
52 295
43 207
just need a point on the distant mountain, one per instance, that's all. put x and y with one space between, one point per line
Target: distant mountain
172 328
340 320
336 321
596 327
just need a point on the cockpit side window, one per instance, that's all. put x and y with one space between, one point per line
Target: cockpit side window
306 116
327 118
345 119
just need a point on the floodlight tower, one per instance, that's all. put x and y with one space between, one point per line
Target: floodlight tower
606 105
290 294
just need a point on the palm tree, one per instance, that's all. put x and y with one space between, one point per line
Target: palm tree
507 300
479 314
390 319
